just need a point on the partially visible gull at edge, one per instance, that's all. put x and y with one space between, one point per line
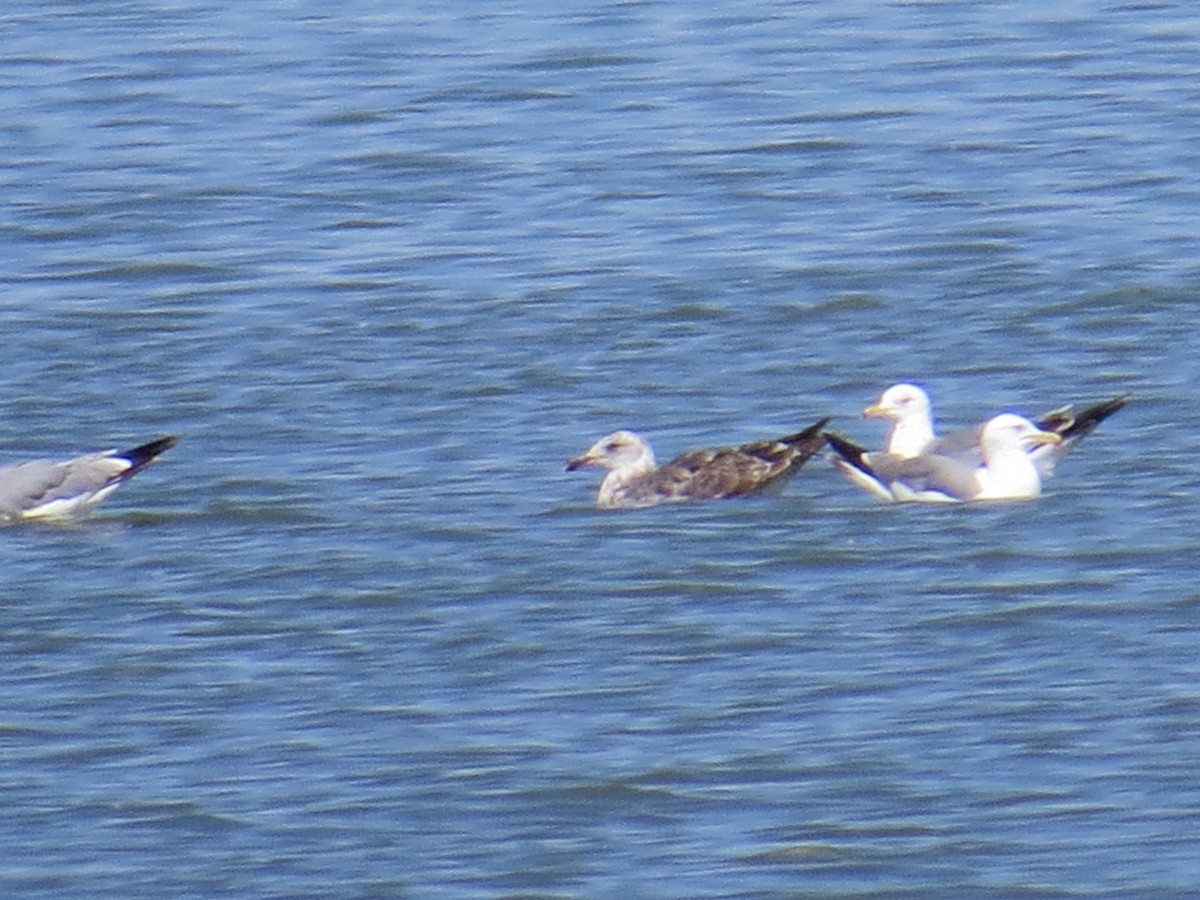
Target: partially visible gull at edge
912 430
634 480
1008 471
69 490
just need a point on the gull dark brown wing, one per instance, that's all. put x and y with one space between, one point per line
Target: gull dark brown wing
735 471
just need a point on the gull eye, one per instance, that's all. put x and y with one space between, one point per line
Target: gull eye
612 446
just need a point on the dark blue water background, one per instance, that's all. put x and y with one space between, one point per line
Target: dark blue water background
386 266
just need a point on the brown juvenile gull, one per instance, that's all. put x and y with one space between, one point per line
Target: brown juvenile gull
1008 471
912 432
67 491
633 479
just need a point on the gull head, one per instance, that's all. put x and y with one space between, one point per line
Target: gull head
620 451
1008 432
900 401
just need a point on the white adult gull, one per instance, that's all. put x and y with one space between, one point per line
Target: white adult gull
633 479
912 430
67 491
1008 471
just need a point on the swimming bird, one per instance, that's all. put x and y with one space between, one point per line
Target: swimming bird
1008 472
633 479
912 431
69 490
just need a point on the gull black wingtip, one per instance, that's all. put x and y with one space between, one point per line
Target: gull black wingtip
845 447
141 456
849 453
1087 420
810 433
1102 411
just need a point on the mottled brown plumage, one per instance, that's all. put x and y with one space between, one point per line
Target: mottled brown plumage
633 479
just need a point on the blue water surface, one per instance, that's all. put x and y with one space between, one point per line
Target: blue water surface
385 267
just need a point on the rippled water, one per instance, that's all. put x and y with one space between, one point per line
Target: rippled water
385 269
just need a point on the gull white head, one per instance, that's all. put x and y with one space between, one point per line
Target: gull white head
626 457
1009 433
911 413
1008 471
621 451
